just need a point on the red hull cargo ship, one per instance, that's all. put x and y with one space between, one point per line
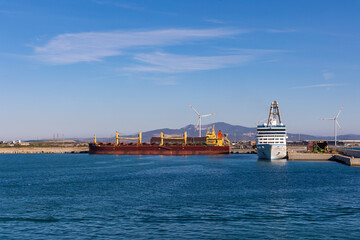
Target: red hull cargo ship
211 144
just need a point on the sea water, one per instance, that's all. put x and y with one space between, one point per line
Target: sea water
60 196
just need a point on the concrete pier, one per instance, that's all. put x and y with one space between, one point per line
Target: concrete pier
339 157
347 152
303 156
350 161
242 151
27 150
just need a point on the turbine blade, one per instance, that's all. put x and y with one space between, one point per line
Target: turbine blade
326 119
194 110
207 115
339 112
337 123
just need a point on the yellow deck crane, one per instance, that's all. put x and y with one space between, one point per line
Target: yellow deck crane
139 138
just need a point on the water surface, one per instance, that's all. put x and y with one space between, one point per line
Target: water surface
198 197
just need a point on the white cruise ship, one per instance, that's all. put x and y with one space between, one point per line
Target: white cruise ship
271 136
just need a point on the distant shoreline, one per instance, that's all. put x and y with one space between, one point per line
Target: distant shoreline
37 150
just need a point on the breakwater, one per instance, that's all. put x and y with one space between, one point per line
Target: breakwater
37 150
243 151
345 156
348 152
308 156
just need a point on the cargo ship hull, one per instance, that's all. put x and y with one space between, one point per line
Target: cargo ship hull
157 149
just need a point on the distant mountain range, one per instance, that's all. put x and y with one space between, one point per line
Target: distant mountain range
235 133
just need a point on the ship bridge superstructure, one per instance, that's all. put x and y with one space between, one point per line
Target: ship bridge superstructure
273 134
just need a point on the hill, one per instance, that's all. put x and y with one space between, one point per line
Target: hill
236 133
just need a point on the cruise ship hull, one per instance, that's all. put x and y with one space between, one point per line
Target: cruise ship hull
271 152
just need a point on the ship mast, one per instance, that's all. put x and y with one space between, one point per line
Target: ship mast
274 111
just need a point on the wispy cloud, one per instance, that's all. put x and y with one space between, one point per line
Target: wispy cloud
9 12
214 20
253 51
274 30
172 63
325 85
94 46
164 81
328 75
119 4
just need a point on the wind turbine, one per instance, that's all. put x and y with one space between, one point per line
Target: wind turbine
199 118
335 123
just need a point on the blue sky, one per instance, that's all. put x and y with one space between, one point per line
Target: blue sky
96 66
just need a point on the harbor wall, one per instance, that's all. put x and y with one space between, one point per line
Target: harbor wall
27 150
348 152
243 151
345 156
350 161
302 156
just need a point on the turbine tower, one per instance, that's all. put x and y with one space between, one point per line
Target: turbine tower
199 118
335 123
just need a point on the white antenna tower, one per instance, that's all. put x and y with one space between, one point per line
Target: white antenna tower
335 123
199 118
